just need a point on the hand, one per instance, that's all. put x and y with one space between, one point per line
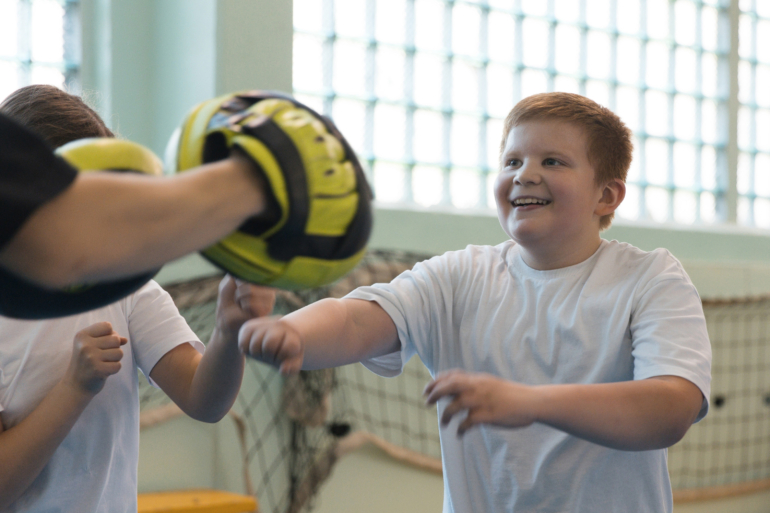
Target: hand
487 399
95 356
240 301
273 341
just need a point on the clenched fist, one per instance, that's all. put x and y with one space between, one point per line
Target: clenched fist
273 341
95 356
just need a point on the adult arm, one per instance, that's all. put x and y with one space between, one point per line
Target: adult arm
205 386
27 447
108 225
327 333
634 415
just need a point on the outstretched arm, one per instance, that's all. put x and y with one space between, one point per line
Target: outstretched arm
27 447
108 225
328 333
632 415
205 386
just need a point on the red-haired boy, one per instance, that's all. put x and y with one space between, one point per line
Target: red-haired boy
567 363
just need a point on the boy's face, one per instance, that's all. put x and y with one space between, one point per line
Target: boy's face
546 194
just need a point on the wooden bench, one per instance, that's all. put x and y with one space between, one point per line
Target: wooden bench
196 501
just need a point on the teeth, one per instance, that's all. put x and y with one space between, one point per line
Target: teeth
529 201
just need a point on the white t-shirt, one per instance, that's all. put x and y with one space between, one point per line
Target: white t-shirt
94 469
623 314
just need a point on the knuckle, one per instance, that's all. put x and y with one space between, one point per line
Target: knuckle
268 346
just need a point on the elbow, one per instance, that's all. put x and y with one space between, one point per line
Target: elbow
210 414
662 438
670 430
679 406
654 432
675 432
209 417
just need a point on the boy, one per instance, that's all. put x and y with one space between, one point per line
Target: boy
563 364
69 413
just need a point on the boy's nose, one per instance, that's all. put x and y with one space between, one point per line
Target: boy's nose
527 174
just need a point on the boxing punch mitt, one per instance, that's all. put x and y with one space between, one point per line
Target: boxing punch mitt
319 216
25 300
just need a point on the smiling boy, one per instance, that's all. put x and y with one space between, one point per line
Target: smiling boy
549 198
567 363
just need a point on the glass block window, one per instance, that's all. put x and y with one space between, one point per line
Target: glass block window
669 86
754 115
421 88
39 44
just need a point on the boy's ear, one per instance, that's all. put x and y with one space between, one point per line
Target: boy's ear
613 193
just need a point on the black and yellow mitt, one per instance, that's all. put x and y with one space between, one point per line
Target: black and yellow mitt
320 216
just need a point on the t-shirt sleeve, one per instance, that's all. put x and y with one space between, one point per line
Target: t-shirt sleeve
156 327
668 332
30 176
420 304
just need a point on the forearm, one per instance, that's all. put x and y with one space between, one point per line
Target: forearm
217 379
108 225
633 416
27 447
341 331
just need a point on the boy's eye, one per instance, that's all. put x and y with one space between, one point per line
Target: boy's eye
551 162
512 163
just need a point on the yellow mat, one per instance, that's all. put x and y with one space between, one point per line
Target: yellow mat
196 501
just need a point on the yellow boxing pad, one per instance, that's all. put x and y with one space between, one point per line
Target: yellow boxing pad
320 217
105 153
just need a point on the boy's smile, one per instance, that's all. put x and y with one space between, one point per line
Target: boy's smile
546 193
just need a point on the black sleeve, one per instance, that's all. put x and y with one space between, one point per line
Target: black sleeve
30 175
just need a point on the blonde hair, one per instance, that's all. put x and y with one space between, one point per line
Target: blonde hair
610 149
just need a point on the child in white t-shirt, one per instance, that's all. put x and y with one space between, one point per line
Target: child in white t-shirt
69 404
564 365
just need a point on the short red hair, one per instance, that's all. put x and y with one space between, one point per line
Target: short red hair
610 148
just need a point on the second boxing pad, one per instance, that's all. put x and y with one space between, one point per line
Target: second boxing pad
319 219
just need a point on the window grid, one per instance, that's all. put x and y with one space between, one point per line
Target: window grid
658 188
754 118
39 43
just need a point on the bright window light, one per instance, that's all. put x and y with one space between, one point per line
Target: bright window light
426 85
39 44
